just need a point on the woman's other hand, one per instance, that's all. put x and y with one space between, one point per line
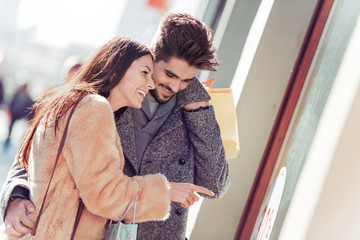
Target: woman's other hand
185 193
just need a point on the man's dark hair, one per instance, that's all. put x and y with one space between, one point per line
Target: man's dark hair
186 37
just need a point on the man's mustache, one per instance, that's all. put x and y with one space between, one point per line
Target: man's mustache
166 87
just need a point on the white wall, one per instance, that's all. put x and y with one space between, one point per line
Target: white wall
337 215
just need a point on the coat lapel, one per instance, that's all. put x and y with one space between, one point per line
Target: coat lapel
125 128
172 122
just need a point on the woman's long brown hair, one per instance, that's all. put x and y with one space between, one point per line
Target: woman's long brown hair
99 75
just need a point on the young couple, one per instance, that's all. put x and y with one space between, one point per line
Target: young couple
170 141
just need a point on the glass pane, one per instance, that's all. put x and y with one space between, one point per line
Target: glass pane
321 75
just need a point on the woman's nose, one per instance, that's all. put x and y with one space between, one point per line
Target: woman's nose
151 84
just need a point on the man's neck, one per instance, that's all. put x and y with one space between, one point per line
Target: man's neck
150 106
153 104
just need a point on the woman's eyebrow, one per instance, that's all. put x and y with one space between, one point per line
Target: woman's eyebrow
147 68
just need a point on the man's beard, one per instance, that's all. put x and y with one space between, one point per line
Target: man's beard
157 96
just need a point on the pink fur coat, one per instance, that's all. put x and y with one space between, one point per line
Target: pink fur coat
90 167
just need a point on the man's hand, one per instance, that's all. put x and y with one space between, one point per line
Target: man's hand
17 222
195 105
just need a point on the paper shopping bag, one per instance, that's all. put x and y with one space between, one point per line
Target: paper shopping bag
223 101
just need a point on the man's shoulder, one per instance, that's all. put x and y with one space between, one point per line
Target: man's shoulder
125 116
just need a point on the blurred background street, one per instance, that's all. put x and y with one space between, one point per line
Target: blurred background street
8 154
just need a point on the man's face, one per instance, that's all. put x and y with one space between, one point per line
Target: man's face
171 77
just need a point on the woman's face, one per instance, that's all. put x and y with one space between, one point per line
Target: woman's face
132 88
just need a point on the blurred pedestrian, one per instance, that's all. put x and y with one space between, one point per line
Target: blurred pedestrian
19 108
1 90
72 71
71 65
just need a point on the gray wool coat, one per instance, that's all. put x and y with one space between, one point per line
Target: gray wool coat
186 148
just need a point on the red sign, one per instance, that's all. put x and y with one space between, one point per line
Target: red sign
160 5
264 223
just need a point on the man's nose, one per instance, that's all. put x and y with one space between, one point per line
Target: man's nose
175 85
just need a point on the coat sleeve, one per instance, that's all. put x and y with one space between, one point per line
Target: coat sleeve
211 167
16 184
95 160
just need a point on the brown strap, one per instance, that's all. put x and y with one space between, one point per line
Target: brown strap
61 146
77 219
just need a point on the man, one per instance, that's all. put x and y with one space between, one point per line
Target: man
174 133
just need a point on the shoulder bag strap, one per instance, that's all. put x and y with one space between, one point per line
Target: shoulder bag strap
61 146
77 219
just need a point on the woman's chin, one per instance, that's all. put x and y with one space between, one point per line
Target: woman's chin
136 105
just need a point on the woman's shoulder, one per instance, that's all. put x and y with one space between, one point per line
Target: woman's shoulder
95 98
93 105
95 101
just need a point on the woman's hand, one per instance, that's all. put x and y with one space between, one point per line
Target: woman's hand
185 193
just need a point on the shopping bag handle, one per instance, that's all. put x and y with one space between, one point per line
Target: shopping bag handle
126 211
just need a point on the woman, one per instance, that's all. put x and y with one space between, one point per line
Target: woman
90 166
